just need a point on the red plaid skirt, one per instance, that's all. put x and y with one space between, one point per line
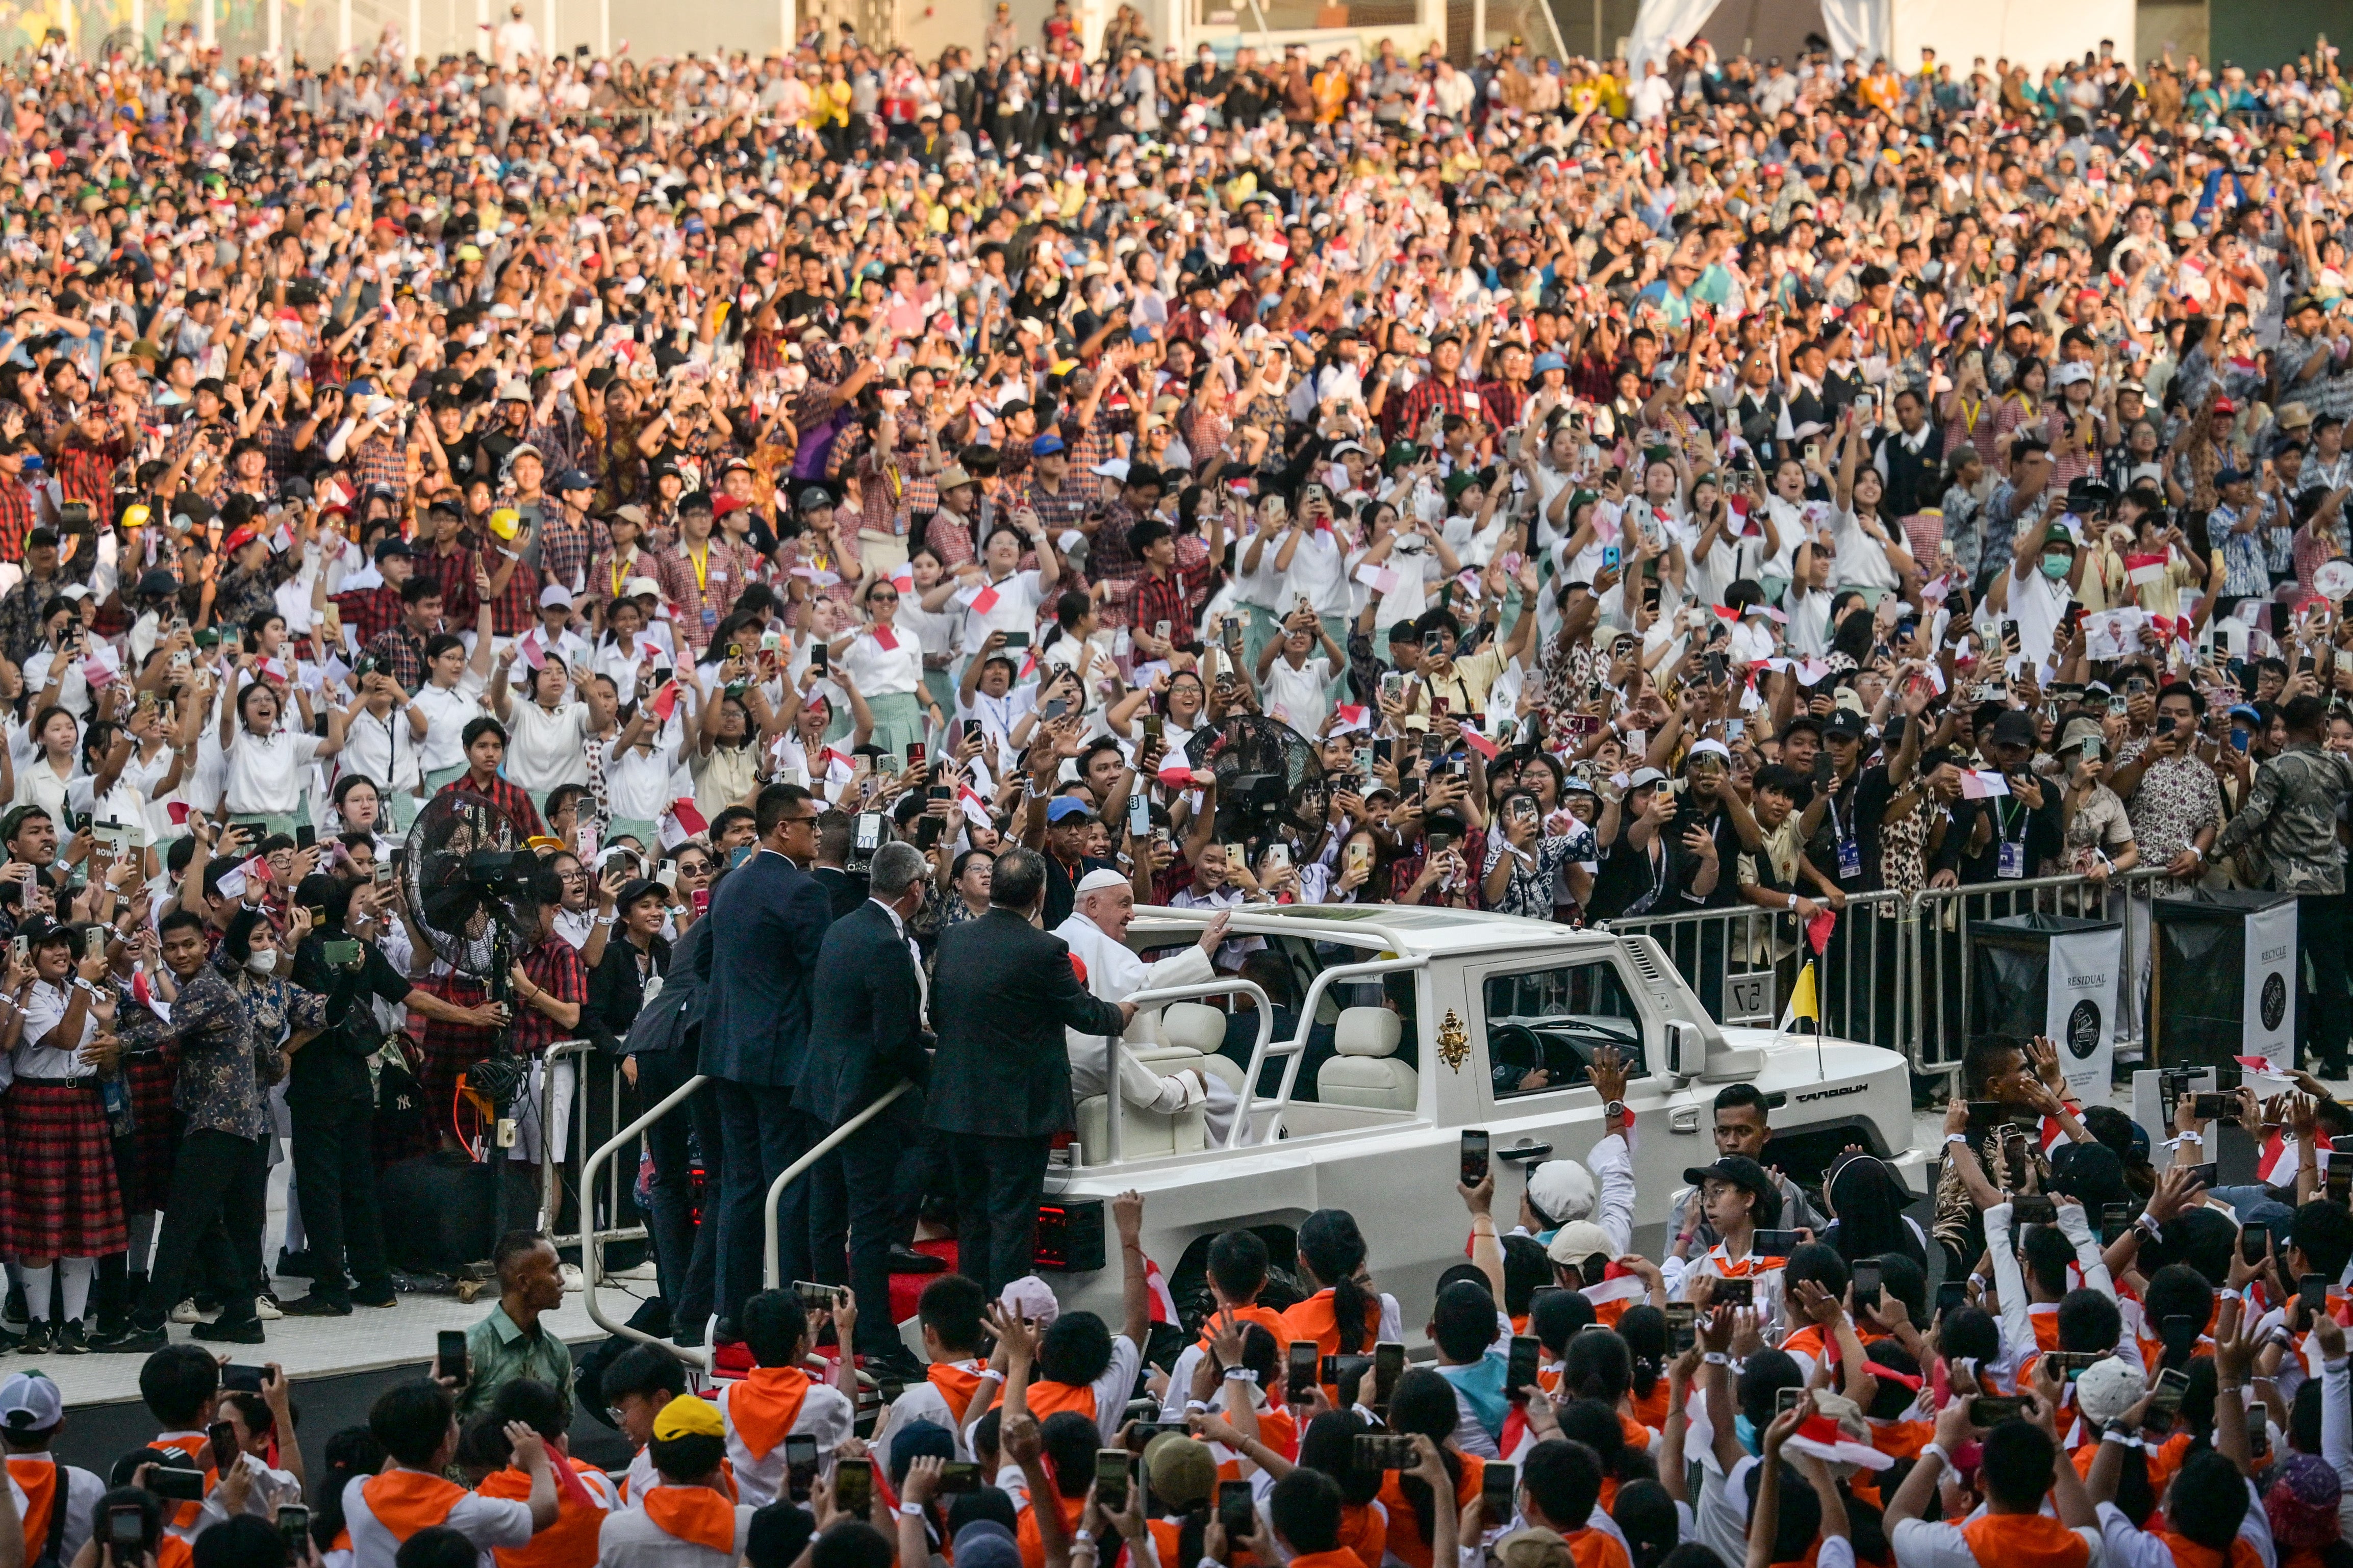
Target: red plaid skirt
61 1199
450 1048
143 1161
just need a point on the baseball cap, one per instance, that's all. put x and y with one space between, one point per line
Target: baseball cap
1579 1241
554 594
1561 1190
574 480
30 1402
1064 807
2014 729
389 546
1744 1172
1046 446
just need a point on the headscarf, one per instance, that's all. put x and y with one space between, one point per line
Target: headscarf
1870 1201
2301 1504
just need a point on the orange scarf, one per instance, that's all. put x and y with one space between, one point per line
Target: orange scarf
36 1476
197 1452
171 1551
957 1381
1270 1320
2189 1555
406 1502
1047 1398
1364 1534
763 1407
568 1543
2025 1541
1405 1541
693 1513
1597 1549
1025 1532
1341 1557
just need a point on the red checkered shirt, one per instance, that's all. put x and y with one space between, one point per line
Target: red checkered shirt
516 609
86 469
370 612
554 967
1414 408
565 548
1161 599
16 520
700 599
380 460
507 797
455 573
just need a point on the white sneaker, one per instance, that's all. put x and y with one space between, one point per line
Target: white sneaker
186 1312
573 1278
266 1310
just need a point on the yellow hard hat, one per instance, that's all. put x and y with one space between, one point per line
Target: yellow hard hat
506 522
135 516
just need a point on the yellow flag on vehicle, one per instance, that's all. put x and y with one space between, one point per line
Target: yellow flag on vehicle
1803 1004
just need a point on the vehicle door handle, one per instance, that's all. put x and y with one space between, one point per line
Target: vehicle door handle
1526 1152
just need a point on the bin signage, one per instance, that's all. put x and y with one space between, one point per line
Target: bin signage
2080 1015
2269 1021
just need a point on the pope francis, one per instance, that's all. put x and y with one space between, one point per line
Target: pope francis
1097 932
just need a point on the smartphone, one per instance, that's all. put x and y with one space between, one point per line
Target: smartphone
1474 1156
818 656
1682 1327
800 1467
1376 1451
126 1530
248 1379
917 755
1952 1295
701 900
1786 1399
1735 1293
870 832
2312 1292
1016 640
2179 1334
2115 1220
1992 1409
305 836
1299 1372
2072 1364
1497 1484
2165 1398
1866 1282
1236 1509
2213 1107
2259 1433
23 949
2034 1208
815 1298
1139 814
2010 633
853 1487
449 1355
959 1476
2254 1241
222 1436
177 1483
1520 1368
969 729
294 1527
2210 1174
1775 1242
1111 1478
1389 1365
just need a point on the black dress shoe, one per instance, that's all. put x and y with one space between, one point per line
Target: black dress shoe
725 1332
247 1332
296 1264
907 1260
381 1296
70 1341
136 1338
314 1305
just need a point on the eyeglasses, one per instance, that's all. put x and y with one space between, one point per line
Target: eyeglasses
701 867
797 821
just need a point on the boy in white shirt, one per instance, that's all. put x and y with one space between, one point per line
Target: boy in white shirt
778 1400
417 1425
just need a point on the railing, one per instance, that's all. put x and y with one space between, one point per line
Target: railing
1894 972
592 1251
1116 1103
800 1167
555 1162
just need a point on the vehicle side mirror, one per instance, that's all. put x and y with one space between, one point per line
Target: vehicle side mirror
1686 1050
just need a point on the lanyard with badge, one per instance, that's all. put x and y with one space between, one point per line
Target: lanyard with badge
1850 852
2010 856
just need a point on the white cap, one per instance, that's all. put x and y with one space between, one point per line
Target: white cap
1579 1241
1111 469
1032 1298
1562 1191
30 1402
2106 1389
637 586
1098 880
554 594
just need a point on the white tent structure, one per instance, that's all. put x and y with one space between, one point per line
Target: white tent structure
2034 33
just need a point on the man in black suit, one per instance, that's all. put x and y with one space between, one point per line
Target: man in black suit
867 1034
836 833
1000 1086
768 920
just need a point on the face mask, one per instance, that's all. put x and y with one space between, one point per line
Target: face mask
262 960
2056 566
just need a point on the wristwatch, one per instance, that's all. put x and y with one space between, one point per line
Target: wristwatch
1615 1109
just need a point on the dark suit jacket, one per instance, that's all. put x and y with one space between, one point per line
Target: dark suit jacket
1005 992
767 922
677 1014
846 889
865 1032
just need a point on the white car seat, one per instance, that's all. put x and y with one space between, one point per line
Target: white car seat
1366 1072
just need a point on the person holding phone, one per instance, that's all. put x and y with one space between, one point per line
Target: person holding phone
418 1429
777 1399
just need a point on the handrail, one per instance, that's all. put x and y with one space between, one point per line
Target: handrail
1323 983
792 1173
1116 1104
591 1245
550 1162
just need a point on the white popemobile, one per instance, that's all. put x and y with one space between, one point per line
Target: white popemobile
1415 1024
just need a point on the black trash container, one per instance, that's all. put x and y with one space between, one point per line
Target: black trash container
2224 983
2050 974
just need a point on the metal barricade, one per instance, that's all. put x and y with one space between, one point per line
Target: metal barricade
597 1210
1895 970
592 1254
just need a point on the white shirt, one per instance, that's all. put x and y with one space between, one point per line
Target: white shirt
629 1539
485 1522
1318 573
1015 609
384 750
80 1497
2128 1546
1919 1544
1297 695
546 749
44 1009
448 710
265 772
885 672
826 1414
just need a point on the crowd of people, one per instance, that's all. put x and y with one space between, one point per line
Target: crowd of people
844 516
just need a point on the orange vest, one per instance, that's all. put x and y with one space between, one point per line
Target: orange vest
695 1514
571 1541
957 1382
1405 1541
1363 1532
763 1407
36 1476
406 1502
2025 1541
1033 1547
1313 1319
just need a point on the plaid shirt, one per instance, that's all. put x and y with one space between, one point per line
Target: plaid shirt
379 461
1061 511
554 967
369 611
401 653
1161 599
1415 406
699 598
516 609
15 518
565 548
455 573
86 469
1109 557
507 797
